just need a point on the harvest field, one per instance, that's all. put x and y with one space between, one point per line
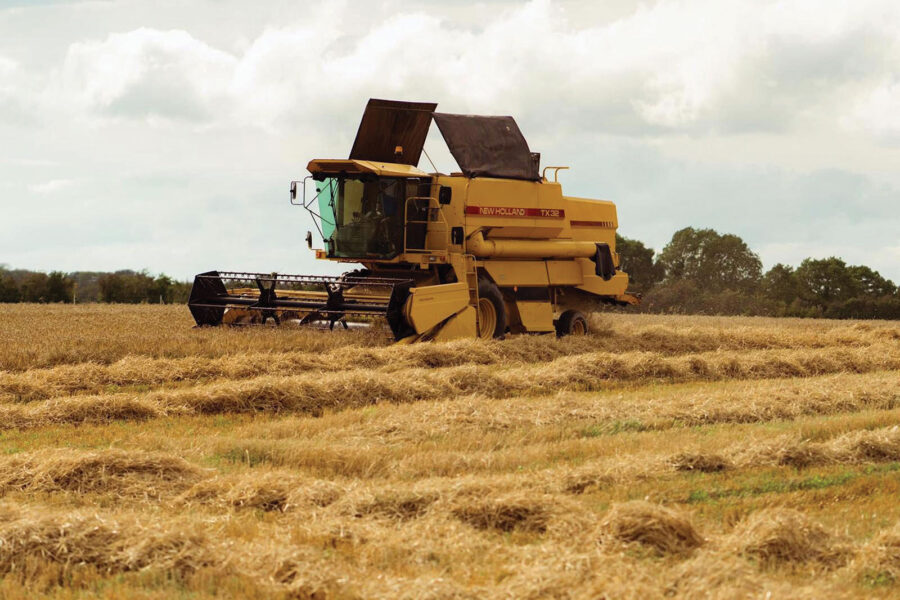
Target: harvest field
687 457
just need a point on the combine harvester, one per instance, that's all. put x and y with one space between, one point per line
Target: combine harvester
495 248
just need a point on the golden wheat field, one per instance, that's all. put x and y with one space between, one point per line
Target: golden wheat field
684 457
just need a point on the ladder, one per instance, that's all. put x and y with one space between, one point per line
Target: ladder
472 280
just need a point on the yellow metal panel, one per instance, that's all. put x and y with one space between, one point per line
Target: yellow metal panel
429 305
595 285
364 166
592 220
565 272
504 204
550 200
536 316
455 211
460 326
508 273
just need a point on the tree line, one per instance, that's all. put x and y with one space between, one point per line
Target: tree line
699 271
703 271
130 287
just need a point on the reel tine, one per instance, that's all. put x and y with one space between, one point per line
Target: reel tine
257 297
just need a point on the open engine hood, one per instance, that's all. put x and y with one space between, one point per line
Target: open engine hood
488 146
483 146
389 124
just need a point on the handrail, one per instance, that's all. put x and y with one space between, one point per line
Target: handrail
556 171
407 222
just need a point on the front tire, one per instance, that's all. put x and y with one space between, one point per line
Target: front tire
491 311
571 322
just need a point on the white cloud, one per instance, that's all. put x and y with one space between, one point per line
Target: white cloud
767 119
13 94
30 162
878 112
52 186
7 68
671 67
147 74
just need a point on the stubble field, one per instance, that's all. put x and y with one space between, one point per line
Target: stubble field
686 457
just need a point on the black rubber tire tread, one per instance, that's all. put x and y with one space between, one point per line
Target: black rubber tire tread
566 322
488 289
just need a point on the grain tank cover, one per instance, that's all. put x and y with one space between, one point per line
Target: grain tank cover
488 146
389 125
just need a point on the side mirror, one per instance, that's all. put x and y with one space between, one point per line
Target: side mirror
293 191
309 239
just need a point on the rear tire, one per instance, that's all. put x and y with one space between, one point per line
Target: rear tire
571 322
491 311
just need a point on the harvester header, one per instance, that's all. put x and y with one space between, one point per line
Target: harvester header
495 248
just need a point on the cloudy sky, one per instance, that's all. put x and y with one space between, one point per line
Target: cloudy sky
163 134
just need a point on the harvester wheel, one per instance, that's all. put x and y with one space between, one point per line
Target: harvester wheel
491 311
571 322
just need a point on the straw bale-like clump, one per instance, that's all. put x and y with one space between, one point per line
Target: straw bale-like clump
601 475
520 511
78 409
266 491
714 575
881 445
558 574
584 481
788 451
400 506
702 462
31 539
665 530
878 562
299 571
856 447
124 472
782 536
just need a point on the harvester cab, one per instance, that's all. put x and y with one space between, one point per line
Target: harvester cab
493 249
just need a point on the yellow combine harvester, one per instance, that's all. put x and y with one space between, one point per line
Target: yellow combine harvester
495 248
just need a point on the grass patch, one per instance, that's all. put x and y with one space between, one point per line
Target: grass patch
774 483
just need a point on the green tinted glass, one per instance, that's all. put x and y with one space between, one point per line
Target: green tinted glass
327 192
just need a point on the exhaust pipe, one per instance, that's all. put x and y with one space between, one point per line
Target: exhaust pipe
599 252
482 248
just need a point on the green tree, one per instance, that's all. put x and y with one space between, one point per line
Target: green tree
181 291
9 291
822 282
780 284
161 290
59 287
637 260
133 287
88 286
112 288
713 261
871 283
34 287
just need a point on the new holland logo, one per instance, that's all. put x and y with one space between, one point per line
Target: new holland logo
510 211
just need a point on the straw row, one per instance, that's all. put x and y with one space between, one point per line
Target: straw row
124 472
34 541
315 393
91 377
